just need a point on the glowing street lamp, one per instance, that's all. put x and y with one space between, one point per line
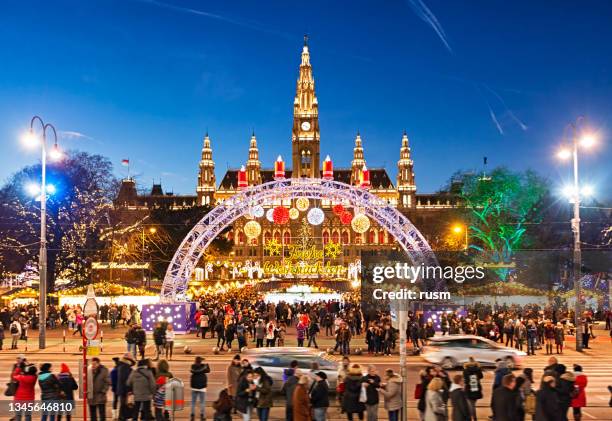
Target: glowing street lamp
459 229
582 139
31 139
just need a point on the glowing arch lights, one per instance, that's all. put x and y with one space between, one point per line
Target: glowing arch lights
302 204
280 215
360 223
294 213
195 243
252 229
315 216
257 211
270 215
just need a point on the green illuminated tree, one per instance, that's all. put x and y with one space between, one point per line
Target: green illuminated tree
498 206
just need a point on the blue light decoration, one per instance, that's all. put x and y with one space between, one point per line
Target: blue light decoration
180 316
434 313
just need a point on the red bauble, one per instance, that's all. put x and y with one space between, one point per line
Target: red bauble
338 209
346 217
280 214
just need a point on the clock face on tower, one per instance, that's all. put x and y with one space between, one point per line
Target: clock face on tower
305 126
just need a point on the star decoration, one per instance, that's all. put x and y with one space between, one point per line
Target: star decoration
332 250
273 247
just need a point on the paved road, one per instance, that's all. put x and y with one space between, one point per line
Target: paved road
596 362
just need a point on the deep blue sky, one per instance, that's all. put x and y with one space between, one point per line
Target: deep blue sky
144 79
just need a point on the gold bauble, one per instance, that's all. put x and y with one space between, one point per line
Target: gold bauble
252 229
360 223
294 213
302 204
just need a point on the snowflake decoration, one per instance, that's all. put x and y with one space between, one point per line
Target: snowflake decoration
273 247
332 250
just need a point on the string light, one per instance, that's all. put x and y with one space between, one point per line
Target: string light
270 215
257 211
346 217
338 209
280 215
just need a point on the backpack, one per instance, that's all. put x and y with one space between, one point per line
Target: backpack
14 329
530 403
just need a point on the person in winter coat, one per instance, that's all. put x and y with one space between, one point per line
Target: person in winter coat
143 387
223 406
371 382
233 374
68 385
15 331
287 390
501 371
98 382
25 376
458 397
559 337
565 392
319 396
263 393
199 383
159 398
49 388
391 390
300 330
504 403
472 375
124 369
301 401
159 339
245 396
435 408
352 390
579 400
547 402
170 334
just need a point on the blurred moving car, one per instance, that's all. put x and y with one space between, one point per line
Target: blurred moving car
276 360
452 351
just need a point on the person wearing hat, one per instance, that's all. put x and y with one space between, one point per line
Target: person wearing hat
68 386
98 383
49 388
352 391
124 369
319 396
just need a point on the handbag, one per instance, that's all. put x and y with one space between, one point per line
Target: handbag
11 388
363 395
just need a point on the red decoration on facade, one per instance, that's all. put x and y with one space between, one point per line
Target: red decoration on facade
365 178
338 209
280 214
346 217
242 178
279 169
328 169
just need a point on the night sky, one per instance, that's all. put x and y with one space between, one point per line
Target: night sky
144 80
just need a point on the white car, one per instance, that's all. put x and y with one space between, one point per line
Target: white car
454 350
276 360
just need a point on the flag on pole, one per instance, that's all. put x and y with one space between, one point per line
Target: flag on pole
125 162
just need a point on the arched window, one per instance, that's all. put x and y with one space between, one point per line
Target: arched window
325 237
267 236
381 237
335 237
345 237
277 236
372 235
287 237
241 237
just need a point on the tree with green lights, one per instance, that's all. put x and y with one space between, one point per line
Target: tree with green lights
498 206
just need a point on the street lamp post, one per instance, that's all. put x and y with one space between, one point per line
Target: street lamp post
585 140
42 257
458 229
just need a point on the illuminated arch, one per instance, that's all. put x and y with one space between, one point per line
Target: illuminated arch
213 223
